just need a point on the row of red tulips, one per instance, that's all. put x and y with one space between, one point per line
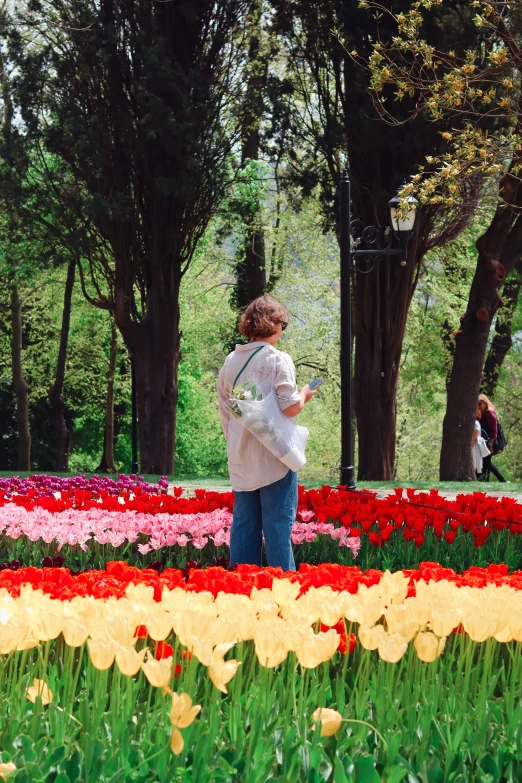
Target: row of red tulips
409 516
60 583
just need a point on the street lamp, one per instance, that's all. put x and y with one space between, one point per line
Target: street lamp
403 221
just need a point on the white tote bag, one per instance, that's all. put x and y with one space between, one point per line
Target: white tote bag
265 420
483 447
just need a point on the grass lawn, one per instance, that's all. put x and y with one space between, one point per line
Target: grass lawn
190 482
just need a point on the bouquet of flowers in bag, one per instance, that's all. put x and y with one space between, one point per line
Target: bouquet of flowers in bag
263 418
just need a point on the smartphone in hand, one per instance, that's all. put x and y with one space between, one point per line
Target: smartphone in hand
315 383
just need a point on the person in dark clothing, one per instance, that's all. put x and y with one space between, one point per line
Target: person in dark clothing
489 425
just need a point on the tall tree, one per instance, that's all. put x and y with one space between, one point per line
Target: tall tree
338 123
502 339
107 461
478 87
9 147
251 277
137 99
62 434
19 383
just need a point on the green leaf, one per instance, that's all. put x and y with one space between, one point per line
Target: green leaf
366 772
62 778
396 774
74 767
394 744
434 770
340 775
488 765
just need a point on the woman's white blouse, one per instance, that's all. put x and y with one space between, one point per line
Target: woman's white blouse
250 464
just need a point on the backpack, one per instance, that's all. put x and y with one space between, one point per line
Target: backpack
500 441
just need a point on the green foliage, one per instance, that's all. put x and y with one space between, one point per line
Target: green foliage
309 287
456 719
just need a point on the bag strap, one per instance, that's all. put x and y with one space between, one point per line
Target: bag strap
245 365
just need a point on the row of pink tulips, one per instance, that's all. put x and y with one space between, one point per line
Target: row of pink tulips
78 528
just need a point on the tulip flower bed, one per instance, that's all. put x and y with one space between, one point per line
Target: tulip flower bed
329 673
89 522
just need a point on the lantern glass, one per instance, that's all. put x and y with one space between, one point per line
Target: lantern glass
406 221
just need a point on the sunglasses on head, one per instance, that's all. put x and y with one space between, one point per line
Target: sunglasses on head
284 324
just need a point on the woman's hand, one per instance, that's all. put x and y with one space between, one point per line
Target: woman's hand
306 395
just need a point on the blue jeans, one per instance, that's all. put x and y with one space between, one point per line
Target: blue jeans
268 511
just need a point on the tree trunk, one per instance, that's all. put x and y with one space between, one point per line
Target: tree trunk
62 434
502 339
499 249
251 269
20 386
109 411
251 278
118 413
380 323
154 345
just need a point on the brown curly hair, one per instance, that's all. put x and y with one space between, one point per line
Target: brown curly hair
261 317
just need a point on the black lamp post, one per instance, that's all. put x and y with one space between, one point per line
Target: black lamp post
402 223
134 413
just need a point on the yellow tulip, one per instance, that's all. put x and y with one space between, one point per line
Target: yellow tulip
201 648
182 714
193 623
480 626
39 688
392 648
158 673
159 625
246 627
28 642
48 625
419 611
270 649
317 648
331 612
515 626
10 637
284 591
129 661
295 632
140 593
397 617
371 637
176 741
117 630
443 621
331 721
428 646
406 631
393 587
101 653
366 612
221 672
504 635
228 604
6 768
220 631
74 632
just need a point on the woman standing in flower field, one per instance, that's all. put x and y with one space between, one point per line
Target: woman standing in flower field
265 489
